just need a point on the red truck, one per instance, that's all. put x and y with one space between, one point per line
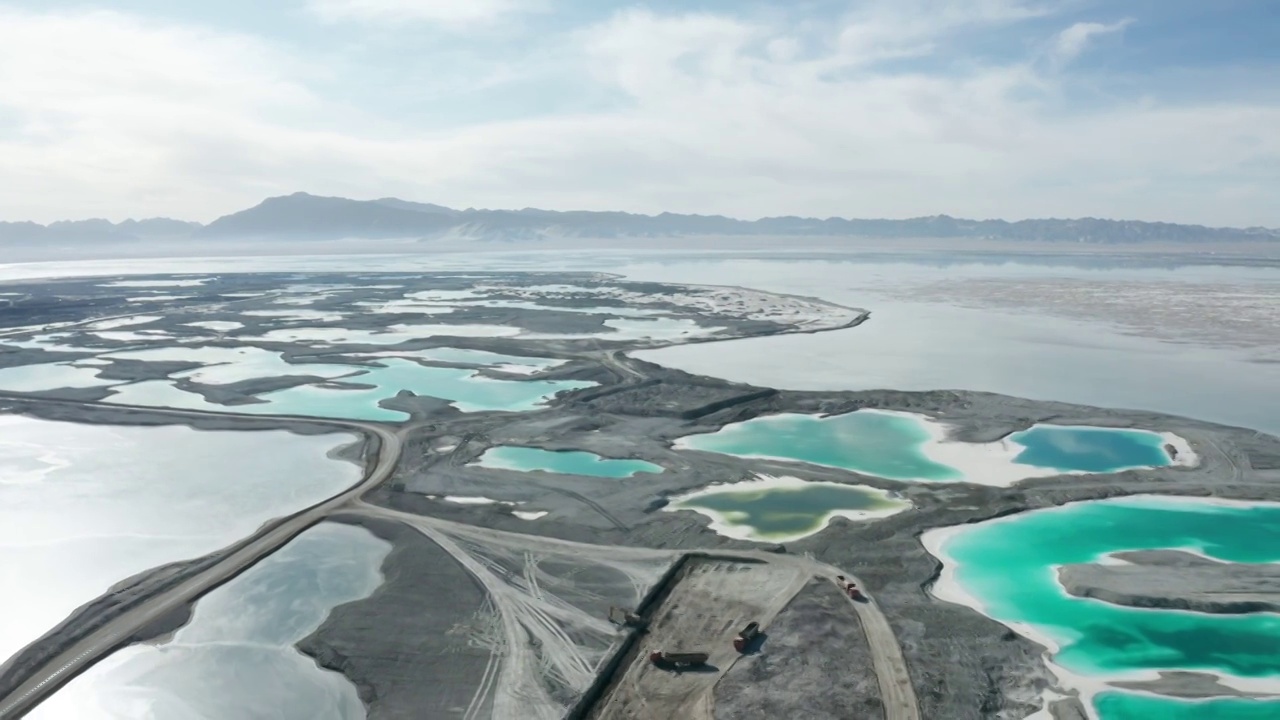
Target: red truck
746 635
851 589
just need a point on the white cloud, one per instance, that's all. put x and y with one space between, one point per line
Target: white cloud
1072 41
108 115
449 13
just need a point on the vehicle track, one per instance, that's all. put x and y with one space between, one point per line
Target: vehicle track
463 542
531 620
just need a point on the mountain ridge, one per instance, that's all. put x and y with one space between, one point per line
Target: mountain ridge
305 216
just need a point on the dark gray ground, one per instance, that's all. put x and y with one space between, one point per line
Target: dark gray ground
964 665
427 662
814 648
397 645
1178 581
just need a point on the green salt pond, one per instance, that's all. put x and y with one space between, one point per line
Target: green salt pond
882 444
1125 706
568 462
468 392
1006 568
901 446
1085 449
781 509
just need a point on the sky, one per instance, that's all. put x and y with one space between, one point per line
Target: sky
1130 109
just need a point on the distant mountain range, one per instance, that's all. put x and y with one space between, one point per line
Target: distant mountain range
301 216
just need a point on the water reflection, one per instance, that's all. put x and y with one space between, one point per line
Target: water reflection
83 507
236 659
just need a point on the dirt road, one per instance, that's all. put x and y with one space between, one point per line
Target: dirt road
758 594
896 691
88 650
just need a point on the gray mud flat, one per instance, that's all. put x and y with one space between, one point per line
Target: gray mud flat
416 648
814 663
963 665
409 647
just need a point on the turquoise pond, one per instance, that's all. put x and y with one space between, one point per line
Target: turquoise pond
568 462
1008 567
468 391
1124 706
880 444
897 446
1094 450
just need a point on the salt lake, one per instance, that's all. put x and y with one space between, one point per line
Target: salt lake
237 653
782 509
913 344
83 507
467 390
384 375
908 447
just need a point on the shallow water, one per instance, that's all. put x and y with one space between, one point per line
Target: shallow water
236 656
468 391
1125 706
49 376
781 510
908 344
1095 450
1007 567
85 506
569 462
898 446
883 445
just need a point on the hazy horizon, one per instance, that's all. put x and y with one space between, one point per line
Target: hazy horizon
1012 109
754 218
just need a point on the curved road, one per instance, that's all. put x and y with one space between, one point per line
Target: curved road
89 649
897 692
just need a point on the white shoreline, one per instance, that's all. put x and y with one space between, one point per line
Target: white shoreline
1086 687
993 464
722 523
469 500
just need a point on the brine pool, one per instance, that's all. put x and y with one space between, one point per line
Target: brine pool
468 392
368 384
568 462
909 447
83 507
1007 570
782 509
237 657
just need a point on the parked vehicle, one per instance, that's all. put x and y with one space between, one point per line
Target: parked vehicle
678 660
746 635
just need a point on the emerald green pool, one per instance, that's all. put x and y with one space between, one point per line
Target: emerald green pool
1087 449
1124 706
568 462
900 446
873 443
784 509
1007 567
